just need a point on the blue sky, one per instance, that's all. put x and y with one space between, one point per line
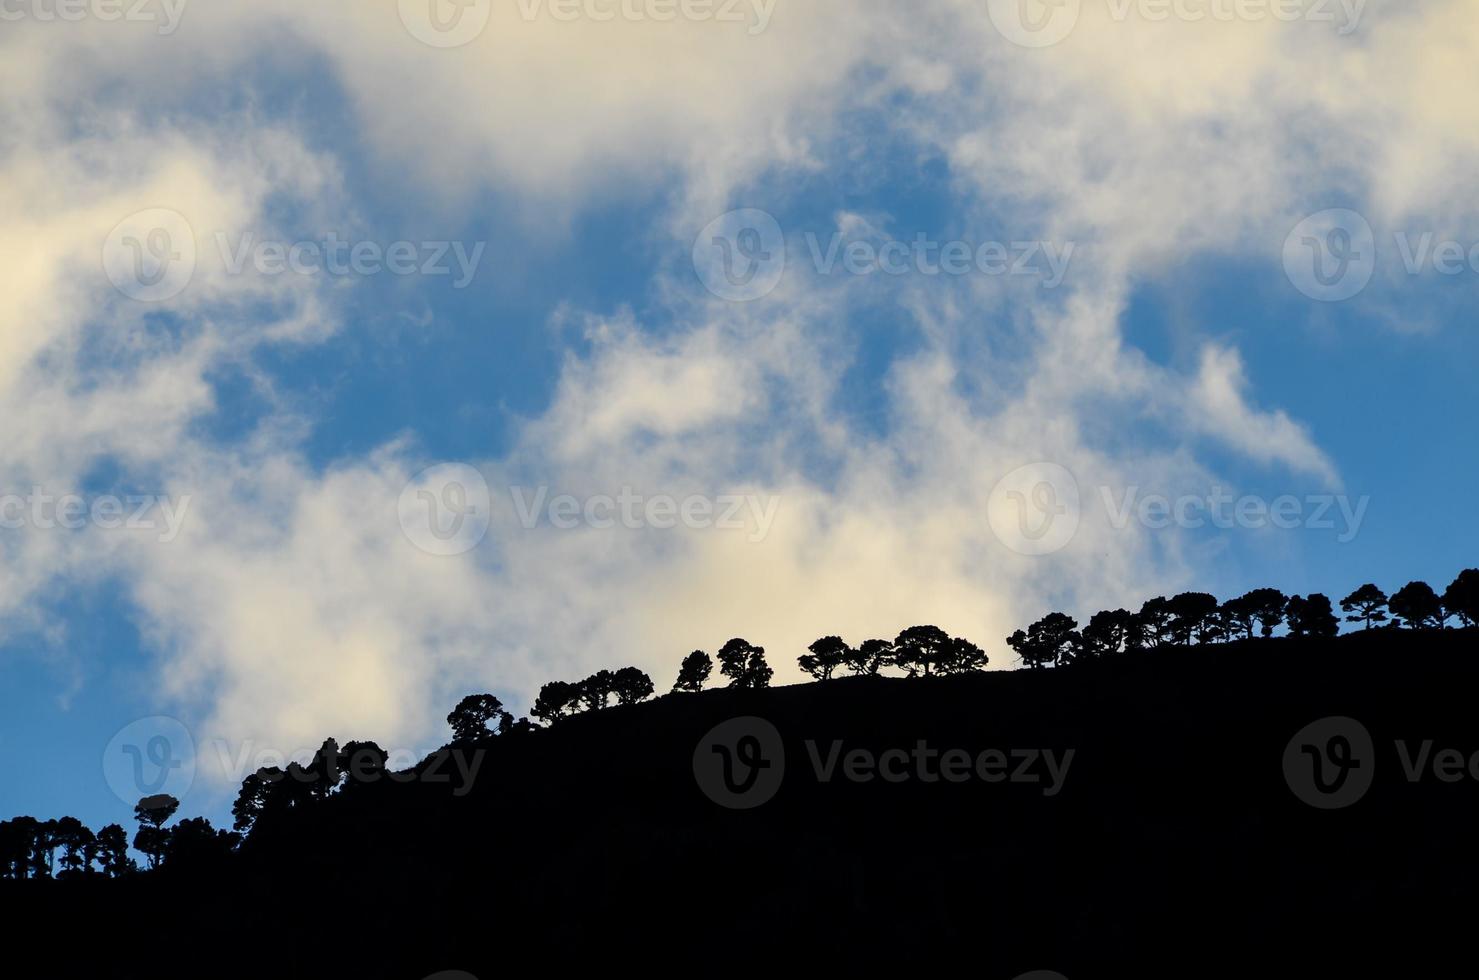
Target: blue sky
886 415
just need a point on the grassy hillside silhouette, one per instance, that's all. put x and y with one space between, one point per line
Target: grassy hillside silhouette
1175 842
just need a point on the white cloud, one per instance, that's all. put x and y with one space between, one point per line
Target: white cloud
292 606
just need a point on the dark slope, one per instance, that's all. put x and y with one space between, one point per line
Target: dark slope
1175 846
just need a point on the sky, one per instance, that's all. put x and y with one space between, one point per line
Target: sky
359 356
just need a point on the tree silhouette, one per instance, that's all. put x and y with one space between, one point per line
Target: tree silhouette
1050 640
920 649
1418 606
1461 598
1365 605
469 720
1108 632
826 656
961 656
74 839
1239 616
112 844
744 665
364 763
255 797
870 657
16 837
196 845
596 690
152 813
1190 616
325 770
1155 621
694 672
1312 616
556 700
631 685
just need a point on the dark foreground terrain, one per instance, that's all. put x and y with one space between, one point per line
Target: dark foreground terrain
1175 840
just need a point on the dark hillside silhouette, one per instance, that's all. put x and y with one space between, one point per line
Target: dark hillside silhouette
1163 793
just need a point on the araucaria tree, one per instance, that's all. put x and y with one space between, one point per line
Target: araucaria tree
1191 613
1108 632
920 649
469 720
1461 598
1050 640
744 664
870 657
556 700
152 813
1365 605
1311 617
824 658
631 685
1417 606
694 672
